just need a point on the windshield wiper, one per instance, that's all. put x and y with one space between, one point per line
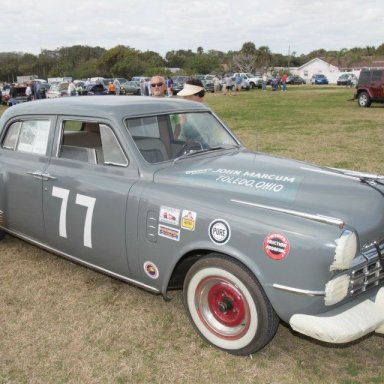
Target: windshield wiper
193 152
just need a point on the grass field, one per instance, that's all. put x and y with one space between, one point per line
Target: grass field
62 323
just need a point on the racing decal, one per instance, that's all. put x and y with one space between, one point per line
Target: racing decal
151 270
169 233
188 220
283 186
219 231
276 246
86 201
169 215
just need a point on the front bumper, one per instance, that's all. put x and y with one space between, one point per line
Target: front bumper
345 323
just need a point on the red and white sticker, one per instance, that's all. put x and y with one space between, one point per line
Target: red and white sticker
276 246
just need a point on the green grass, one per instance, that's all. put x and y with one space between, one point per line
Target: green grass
313 123
62 323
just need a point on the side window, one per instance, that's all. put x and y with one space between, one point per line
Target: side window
376 75
29 136
152 137
90 142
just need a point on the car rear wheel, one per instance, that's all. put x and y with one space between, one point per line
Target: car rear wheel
364 100
227 305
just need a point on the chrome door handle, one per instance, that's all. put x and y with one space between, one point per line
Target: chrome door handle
41 176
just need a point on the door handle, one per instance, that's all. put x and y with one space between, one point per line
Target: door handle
41 175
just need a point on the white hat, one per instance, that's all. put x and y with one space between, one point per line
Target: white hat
190 90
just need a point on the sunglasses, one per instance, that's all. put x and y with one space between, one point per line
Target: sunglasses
157 84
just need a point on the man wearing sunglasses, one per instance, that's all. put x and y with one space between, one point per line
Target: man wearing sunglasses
158 86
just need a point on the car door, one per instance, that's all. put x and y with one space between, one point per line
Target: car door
377 84
24 148
85 200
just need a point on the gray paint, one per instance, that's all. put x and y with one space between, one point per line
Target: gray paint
235 186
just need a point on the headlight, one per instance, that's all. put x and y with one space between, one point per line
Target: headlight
345 251
336 289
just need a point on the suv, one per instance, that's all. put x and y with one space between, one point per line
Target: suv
370 88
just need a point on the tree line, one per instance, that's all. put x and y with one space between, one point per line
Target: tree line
81 61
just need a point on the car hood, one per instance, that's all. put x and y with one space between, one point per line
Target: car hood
257 179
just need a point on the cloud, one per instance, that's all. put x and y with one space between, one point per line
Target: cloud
165 25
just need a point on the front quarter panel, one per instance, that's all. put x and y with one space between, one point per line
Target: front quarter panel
176 220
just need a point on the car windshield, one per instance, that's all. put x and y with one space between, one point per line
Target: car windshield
169 137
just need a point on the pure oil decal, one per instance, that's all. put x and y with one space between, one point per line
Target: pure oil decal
219 231
284 187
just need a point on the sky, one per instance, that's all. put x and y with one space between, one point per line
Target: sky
285 26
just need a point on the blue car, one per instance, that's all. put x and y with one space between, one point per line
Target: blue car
319 79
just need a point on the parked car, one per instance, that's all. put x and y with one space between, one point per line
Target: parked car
57 90
158 192
21 97
347 79
370 87
319 79
295 80
253 81
95 89
178 83
131 87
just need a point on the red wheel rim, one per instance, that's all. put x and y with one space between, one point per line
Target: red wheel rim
226 304
222 307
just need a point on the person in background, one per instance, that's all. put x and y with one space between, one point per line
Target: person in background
169 86
264 82
12 95
193 90
238 81
38 94
71 89
284 82
216 84
228 85
116 83
185 129
158 86
28 92
111 88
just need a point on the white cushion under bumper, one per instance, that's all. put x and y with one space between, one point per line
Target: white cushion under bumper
365 317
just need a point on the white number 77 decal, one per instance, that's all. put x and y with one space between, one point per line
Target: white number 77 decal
83 200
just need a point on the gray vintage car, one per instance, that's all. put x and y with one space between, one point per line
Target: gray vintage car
159 193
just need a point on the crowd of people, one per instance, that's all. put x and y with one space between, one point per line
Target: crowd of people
158 86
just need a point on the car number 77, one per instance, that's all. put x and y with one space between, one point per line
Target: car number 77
85 201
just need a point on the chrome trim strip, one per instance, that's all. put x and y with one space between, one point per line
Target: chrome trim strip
364 175
82 262
323 219
299 291
331 172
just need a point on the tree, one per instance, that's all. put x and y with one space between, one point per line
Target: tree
248 49
111 58
202 64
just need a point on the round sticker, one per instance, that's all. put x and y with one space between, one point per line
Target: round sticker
276 246
219 232
151 270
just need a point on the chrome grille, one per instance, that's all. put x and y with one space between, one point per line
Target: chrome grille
369 274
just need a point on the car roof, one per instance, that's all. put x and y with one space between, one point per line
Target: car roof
104 106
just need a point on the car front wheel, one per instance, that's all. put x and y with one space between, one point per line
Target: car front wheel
364 100
227 305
